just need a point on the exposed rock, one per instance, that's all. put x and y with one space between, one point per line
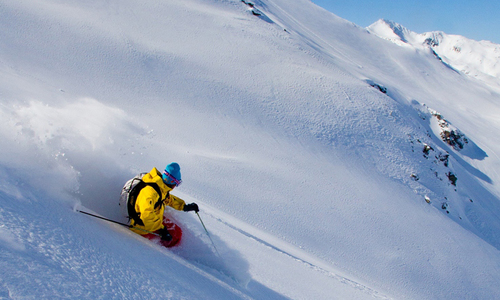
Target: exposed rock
453 179
426 150
380 87
450 134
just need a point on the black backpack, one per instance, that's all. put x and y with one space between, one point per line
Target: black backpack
129 194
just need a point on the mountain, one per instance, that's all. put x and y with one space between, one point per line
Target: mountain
328 163
476 59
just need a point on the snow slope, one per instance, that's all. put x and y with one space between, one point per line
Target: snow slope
300 135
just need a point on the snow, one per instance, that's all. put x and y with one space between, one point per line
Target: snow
299 134
475 58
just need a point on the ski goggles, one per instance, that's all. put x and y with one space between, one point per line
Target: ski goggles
172 178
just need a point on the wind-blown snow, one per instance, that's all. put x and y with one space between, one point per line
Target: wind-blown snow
314 148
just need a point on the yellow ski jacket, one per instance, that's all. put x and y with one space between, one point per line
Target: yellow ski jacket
150 208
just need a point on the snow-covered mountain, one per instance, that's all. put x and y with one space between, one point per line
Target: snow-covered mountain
480 59
328 163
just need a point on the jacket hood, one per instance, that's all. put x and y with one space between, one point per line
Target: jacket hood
154 176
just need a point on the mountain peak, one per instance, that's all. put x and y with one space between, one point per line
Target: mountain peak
478 59
390 30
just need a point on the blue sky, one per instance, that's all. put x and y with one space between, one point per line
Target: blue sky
478 20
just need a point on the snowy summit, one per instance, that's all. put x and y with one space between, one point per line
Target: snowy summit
477 59
328 161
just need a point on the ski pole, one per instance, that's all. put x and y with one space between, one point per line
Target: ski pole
119 223
208 234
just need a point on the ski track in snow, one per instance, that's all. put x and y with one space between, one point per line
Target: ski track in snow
303 261
173 254
207 275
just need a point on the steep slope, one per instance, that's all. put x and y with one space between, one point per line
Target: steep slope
48 252
303 127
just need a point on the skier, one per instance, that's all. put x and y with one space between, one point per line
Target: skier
150 207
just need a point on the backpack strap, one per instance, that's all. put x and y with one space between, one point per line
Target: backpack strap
158 191
134 215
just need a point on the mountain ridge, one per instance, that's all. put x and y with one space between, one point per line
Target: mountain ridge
478 59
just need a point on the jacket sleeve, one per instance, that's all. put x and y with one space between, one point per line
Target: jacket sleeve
145 206
175 202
